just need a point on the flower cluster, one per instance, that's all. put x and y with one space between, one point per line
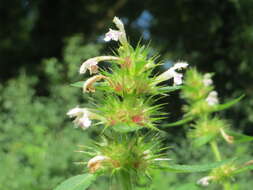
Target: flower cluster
129 81
127 102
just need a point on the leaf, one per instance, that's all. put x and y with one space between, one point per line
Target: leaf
197 142
169 88
238 137
77 84
180 122
244 169
125 128
79 182
195 168
227 105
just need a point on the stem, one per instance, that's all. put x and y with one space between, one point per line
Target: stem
226 185
125 181
215 150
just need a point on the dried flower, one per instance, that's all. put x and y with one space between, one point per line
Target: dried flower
112 35
228 138
171 73
212 98
91 64
88 84
207 79
82 117
96 162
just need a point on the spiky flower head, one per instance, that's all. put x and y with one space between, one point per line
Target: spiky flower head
122 153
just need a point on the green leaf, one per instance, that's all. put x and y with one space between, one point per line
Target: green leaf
195 168
197 142
244 169
77 84
180 122
79 182
227 105
238 137
169 88
125 128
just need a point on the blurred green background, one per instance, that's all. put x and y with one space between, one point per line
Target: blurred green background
43 43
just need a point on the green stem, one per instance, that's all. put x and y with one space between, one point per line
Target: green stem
216 152
125 181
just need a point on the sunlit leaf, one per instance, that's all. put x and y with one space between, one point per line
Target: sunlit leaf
79 182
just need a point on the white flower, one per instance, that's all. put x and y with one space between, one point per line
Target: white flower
91 64
121 34
96 162
119 24
212 98
82 117
204 181
171 73
207 79
180 65
112 35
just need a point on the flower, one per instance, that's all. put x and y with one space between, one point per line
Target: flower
204 181
82 117
121 34
91 64
212 98
119 24
112 35
171 73
96 162
88 84
207 79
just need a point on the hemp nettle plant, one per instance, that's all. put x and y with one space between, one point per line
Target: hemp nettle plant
130 118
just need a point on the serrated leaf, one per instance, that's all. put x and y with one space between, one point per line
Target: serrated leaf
238 137
195 168
169 88
79 182
180 122
227 105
